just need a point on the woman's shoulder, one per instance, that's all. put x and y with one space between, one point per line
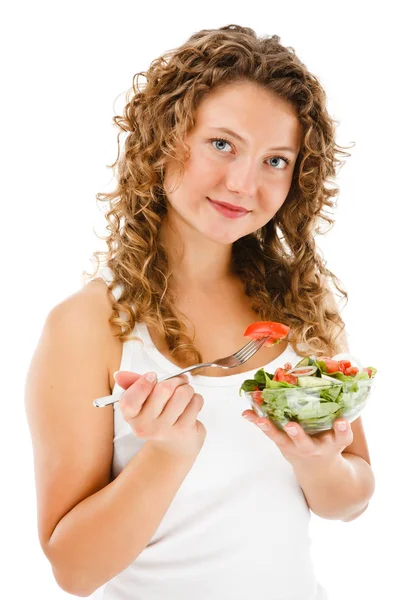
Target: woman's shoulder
92 301
96 290
89 309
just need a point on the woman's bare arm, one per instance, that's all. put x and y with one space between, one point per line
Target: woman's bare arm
90 528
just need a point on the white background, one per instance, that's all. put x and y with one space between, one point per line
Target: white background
64 67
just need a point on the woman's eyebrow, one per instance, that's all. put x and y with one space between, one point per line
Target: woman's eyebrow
241 139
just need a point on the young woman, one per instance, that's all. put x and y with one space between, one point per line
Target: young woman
170 493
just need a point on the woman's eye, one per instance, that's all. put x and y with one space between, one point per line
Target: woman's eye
285 161
220 141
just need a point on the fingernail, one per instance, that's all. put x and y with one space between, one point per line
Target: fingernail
291 430
151 377
116 372
342 426
264 426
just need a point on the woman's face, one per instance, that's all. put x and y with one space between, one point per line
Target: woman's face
249 173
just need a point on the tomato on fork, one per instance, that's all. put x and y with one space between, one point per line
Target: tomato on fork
274 331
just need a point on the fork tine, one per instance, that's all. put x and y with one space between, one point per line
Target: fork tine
244 357
250 353
247 351
246 347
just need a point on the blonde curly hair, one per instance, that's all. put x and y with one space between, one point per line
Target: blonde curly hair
279 265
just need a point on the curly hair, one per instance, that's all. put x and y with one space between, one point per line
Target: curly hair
282 271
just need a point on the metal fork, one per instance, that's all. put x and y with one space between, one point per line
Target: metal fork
229 362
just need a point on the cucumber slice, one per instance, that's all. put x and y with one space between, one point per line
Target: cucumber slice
308 382
329 378
305 362
303 371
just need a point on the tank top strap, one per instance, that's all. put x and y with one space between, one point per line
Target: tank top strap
108 276
132 349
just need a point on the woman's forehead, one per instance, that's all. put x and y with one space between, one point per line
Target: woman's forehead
226 111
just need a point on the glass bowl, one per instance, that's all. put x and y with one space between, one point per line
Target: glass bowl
313 408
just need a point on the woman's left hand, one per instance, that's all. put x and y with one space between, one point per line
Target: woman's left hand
297 446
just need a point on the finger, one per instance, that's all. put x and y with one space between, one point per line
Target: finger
176 403
343 432
300 438
135 395
160 396
250 415
191 412
262 422
266 427
125 378
275 434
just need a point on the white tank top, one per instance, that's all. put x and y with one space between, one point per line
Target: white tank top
238 526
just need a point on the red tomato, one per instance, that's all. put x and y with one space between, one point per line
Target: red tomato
281 375
369 371
257 398
332 366
351 371
345 363
275 331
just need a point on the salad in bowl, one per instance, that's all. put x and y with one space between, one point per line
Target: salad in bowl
314 392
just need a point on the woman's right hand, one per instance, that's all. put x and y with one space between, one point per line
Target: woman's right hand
164 414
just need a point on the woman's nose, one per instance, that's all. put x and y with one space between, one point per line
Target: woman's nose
242 177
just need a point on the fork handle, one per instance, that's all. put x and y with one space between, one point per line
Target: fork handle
107 400
191 368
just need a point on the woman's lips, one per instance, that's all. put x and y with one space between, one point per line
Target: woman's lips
228 210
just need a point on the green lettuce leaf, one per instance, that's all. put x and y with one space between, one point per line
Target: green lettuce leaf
249 385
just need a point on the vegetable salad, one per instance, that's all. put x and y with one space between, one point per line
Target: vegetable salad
314 392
